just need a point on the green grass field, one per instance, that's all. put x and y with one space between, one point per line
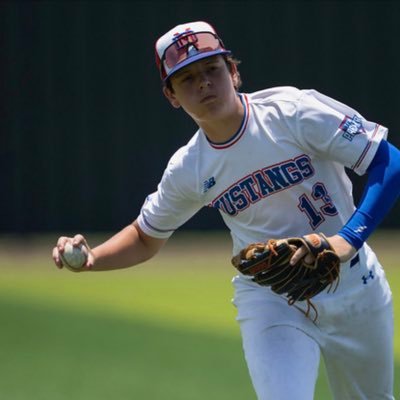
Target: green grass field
162 331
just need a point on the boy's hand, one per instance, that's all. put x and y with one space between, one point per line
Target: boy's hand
76 241
342 248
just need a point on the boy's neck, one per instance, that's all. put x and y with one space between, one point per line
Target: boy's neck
221 130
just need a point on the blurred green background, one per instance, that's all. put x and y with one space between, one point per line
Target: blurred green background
165 330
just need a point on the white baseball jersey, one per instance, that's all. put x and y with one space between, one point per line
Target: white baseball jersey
282 174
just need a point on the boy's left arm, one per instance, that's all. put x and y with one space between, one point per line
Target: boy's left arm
380 193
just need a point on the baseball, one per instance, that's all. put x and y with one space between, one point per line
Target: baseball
74 257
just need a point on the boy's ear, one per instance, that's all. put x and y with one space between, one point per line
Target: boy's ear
235 75
169 94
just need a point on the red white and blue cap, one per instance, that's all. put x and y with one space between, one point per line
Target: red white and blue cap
186 44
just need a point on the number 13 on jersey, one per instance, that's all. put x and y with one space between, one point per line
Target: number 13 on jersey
317 206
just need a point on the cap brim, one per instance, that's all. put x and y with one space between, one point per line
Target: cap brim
193 59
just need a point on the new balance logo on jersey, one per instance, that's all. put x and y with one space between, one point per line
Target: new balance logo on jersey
209 183
351 127
263 183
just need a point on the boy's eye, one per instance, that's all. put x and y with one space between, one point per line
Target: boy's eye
186 78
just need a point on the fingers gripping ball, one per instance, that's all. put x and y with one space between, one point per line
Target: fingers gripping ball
74 258
269 265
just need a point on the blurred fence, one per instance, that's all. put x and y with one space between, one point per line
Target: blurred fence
85 130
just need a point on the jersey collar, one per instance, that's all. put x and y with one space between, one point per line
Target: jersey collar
236 137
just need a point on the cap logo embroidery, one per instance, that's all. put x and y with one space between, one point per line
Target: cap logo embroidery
183 39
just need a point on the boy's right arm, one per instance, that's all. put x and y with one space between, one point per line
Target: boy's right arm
127 248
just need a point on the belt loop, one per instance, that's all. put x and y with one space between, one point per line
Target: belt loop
355 260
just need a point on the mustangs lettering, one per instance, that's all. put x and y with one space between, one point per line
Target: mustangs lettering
263 183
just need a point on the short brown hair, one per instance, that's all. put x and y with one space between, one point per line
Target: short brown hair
230 61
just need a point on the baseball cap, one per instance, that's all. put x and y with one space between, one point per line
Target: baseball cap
185 44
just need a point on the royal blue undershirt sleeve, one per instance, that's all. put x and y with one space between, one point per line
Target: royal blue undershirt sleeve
380 193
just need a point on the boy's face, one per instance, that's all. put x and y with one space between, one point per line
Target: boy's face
204 89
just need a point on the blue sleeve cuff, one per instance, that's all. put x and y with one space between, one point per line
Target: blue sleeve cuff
358 229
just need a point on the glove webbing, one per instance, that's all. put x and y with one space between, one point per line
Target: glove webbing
271 244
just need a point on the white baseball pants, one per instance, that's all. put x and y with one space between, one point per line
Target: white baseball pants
282 346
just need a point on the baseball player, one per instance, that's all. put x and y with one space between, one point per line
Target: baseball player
273 163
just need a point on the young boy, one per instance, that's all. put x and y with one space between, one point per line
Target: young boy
272 162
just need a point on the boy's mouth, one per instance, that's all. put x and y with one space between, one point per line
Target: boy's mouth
208 98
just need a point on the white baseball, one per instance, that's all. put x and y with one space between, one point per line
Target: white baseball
74 257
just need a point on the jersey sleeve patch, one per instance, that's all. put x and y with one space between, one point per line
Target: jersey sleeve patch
351 126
